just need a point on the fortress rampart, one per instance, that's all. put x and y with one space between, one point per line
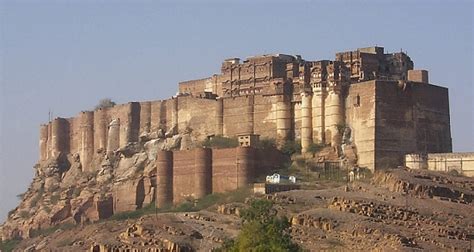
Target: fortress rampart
201 171
370 100
366 107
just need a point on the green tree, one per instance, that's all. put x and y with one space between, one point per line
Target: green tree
291 147
105 103
262 231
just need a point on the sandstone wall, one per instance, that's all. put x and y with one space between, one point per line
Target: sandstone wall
107 129
387 118
198 172
194 86
198 115
410 118
238 115
183 175
360 117
265 115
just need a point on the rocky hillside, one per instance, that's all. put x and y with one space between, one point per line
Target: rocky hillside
396 210
62 193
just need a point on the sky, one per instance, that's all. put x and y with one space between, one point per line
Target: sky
64 56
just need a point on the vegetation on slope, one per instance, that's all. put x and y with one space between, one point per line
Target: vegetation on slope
9 245
189 205
220 142
262 230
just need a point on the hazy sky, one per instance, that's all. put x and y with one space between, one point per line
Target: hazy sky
66 55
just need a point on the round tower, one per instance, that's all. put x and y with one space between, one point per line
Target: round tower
113 136
164 178
283 119
100 129
334 116
59 136
318 113
86 144
202 172
244 166
306 121
43 142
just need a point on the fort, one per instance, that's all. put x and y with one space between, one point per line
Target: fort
366 108
367 102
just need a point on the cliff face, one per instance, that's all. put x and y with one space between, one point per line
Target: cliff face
64 191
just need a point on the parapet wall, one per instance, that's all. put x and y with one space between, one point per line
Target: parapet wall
463 163
201 171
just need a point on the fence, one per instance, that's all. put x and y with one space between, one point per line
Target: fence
331 170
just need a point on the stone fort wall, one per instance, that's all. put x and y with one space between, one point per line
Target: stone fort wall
388 108
388 119
201 171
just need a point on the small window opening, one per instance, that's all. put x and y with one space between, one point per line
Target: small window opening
357 101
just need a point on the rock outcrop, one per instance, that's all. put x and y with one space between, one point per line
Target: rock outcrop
63 192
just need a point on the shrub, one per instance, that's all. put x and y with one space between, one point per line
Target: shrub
314 148
190 205
24 214
266 143
220 142
300 162
186 206
341 127
76 192
149 209
291 147
47 209
11 212
50 230
54 199
34 201
262 230
38 197
105 103
9 245
20 196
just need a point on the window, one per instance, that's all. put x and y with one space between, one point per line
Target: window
357 101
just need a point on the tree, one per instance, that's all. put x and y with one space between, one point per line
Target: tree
262 230
291 147
105 103
313 148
